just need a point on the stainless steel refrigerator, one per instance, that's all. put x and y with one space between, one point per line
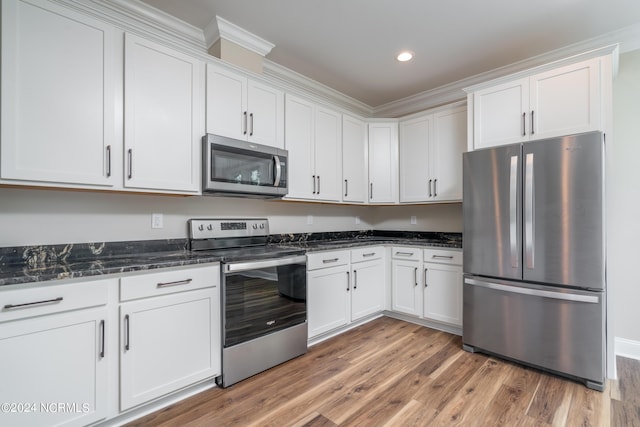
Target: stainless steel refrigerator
534 254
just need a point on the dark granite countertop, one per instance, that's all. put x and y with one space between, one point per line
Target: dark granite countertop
29 264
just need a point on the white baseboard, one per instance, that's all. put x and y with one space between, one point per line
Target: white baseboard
627 348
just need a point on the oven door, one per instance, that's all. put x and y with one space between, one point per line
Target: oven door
261 297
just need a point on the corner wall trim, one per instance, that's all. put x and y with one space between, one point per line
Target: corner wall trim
627 348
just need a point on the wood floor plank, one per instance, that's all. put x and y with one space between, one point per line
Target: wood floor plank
392 373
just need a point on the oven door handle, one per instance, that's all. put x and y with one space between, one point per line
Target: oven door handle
256 265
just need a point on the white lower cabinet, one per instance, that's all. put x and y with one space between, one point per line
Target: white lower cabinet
431 289
406 276
344 286
170 332
53 355
443 286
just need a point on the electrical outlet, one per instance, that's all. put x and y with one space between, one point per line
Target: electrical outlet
157 220
414 220
357 220
309 219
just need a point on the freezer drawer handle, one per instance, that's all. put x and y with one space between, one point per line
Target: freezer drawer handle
534 292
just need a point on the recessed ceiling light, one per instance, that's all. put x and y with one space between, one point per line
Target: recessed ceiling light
404 56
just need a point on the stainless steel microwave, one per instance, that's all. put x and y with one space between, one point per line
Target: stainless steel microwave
232 167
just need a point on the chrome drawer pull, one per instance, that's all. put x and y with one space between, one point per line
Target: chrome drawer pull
367 255
31 304
442 256
327 261
176 283
404 253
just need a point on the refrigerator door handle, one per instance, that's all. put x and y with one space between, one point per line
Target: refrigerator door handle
513 226
529 221
534 292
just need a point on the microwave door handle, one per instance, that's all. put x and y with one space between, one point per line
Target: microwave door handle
278 170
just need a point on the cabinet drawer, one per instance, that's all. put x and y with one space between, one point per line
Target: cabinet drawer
400 252
367 254
23 303
168 282
327 259
443 256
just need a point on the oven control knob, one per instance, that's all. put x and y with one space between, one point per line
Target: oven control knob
201 227
210 227
255 226
262 226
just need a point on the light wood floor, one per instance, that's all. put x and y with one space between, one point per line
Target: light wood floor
393 373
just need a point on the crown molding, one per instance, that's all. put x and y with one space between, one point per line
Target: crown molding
230 31
628 39
304 86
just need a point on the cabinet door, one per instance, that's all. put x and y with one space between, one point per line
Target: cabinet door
416 182
354 160
443 293
226 103
59 92
406 292
383 162
566 100
266 114
299 134
168 342
328 292
367 295
499 114
328 154
51 360
448 144
164 109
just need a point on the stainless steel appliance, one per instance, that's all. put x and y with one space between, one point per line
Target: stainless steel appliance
264 290
243 169
534 257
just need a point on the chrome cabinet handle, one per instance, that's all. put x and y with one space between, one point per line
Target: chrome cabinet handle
430 192
346 187
244 131
102 339
318 177
130 155
524 124
176 283
355 279
415 276
251 117
328 261
404 253
435 188
425 277
442 256
348 285
313 177
108 161
532 122
32 304
371 191
369 254
127 345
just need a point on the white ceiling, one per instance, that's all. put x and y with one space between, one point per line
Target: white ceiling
350 45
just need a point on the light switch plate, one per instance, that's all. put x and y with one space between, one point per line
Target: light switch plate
414 220
309 219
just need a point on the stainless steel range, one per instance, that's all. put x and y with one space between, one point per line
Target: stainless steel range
264 292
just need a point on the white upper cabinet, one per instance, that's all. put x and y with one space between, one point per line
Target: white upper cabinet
431 147
560 101
59 92
383 162
314 142
244 109
354 159
164 117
